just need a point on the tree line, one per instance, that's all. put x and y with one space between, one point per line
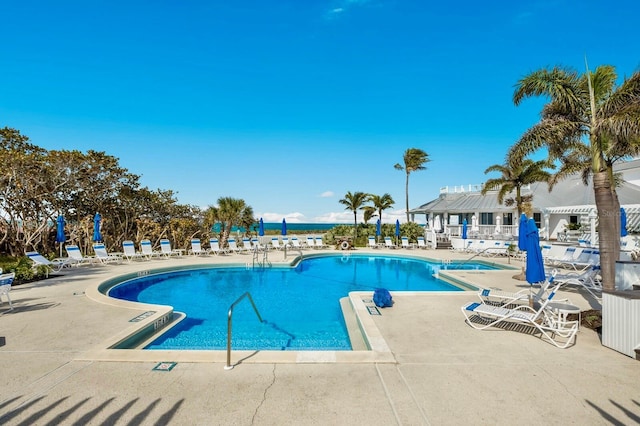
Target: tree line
38 185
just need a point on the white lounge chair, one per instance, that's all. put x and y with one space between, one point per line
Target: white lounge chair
421 243
233 246
129 251
167 251
404 243
103 256
214 247
495 248
147 249
587 259
388 243
5 287
589 280
55 264
568 255
246 246
546 320
295 243
76 256
503 298
285 242
257 245
311 242
372 242
196 248
275 243
320 243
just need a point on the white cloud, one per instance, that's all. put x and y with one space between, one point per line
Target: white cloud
294 217
345 5
327 194
333 217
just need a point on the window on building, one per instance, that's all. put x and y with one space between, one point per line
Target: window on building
507 219
537 218
486 219
573 219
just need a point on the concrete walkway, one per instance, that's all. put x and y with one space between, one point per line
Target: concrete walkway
443 371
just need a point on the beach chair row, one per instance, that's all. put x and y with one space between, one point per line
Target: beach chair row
488 248
404 243
577 259
310 242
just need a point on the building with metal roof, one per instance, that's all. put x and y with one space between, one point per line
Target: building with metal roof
570 205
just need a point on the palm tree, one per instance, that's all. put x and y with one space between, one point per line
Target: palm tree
231 212
353 202
516 173
588 124
414 160
381 202
369 212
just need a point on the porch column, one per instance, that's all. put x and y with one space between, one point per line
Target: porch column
592 225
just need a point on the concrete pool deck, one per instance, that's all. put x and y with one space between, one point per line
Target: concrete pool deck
442 371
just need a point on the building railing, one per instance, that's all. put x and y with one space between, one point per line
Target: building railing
485 231
459 189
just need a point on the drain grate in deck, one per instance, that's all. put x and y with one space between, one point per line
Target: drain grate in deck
142 316
165 366
373 310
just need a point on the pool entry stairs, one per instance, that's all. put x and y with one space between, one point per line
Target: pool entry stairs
256 258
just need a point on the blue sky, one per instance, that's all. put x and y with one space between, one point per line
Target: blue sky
290 104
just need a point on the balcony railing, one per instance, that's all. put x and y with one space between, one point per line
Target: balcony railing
470 188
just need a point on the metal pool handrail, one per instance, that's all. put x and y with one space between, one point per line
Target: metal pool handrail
229 317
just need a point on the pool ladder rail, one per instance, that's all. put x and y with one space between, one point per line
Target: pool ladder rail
229 324
256 257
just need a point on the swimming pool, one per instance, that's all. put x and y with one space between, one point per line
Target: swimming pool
300 306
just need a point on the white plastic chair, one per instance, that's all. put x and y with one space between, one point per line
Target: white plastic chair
147 249
388 243
76 256
130 252
5 287
214 247
233 246
196 248
103 256
421 243
55 264
167 251
372 242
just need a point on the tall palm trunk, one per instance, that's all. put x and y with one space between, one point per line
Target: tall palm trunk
355 227
225 234
608 231
406 192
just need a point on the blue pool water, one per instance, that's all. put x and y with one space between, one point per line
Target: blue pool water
300 306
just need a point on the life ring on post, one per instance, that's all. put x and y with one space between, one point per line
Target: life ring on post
345 245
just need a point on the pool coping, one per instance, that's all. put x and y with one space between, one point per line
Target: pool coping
150 318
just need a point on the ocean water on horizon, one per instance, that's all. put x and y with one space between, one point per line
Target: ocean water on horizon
300 227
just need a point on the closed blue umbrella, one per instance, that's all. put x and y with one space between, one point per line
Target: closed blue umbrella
97 236
60 237
378 231
464 229
522 232
535 265
623 222
397 228
284 227
261 228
